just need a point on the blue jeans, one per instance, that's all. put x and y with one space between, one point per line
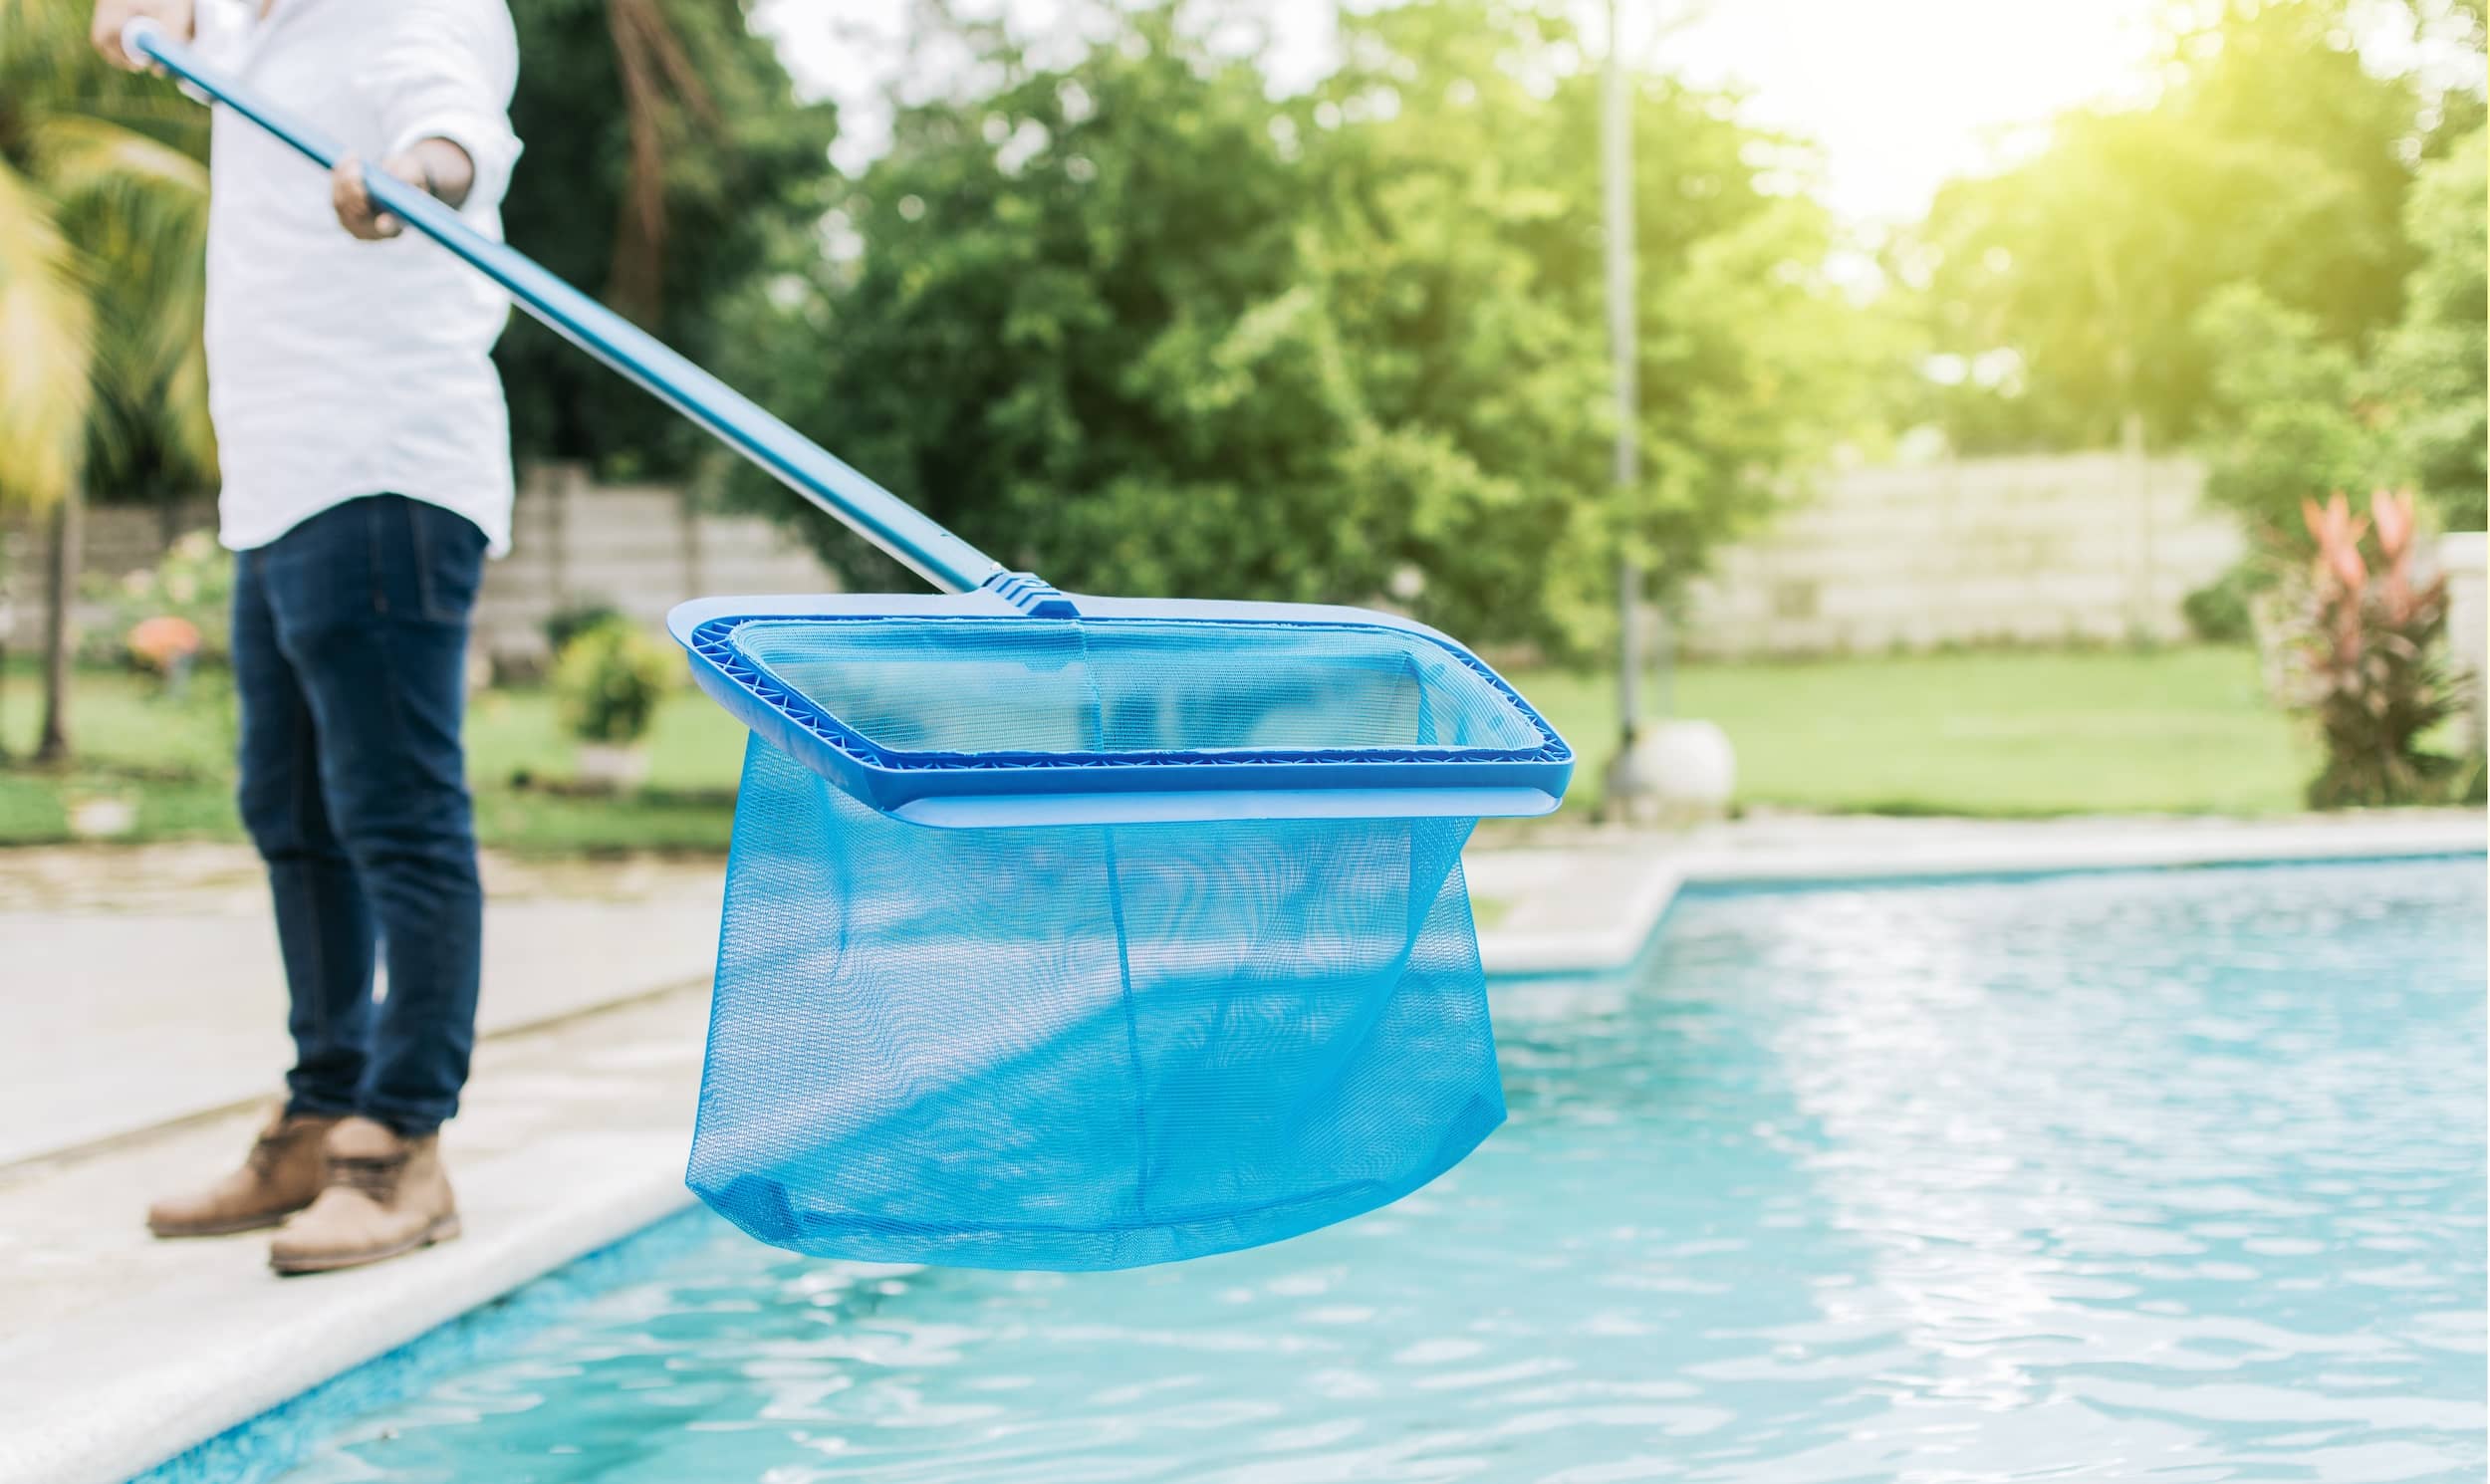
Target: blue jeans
350 641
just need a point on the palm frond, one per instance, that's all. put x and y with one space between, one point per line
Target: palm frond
139 207
43 42
86 153
46 347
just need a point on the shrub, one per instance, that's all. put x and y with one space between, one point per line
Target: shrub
190 584
569 621
2362 654
609 679
2222 612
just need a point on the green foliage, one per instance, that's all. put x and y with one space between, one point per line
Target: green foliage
609 680
1463 255
2222 612
2288 417
569 621
1089 356
664 152
103 222
2431 366
192 581
2295 415
1137 326
2272 157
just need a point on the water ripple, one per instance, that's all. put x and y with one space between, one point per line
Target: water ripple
2174 1177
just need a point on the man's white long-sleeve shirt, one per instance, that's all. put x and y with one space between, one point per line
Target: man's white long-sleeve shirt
336 368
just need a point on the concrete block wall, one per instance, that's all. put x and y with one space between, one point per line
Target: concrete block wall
115 539
2462 557
2038 549
638 547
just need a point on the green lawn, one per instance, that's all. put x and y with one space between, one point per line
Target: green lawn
176 759
2177 730
2183 730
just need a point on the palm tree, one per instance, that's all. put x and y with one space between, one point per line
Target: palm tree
667 161
102 228
663 94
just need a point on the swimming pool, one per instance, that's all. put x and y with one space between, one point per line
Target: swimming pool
2175 1175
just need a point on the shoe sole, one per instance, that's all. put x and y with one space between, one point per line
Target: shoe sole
221 1228
439 1231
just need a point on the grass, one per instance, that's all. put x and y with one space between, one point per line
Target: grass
2182 730
2179 730
176 759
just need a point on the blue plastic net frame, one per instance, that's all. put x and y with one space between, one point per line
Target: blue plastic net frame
1524 774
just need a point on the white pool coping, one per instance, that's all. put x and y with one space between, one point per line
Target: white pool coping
1591 907
120 1352
198 1338
102 1412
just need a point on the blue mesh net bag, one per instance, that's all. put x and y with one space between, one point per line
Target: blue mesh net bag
1060 931
1144 1024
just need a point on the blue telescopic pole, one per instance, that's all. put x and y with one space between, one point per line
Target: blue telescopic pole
872 512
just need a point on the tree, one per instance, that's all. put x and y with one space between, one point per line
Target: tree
103 218
2430 367
2296 414
2273 157
2290 417
1136 324
1020 340
1463 248
664 152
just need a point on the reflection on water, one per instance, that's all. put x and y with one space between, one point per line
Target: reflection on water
2174 1177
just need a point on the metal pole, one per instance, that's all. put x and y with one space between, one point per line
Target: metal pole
1618 169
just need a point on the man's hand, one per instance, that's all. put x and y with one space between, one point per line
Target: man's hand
436 167
112 15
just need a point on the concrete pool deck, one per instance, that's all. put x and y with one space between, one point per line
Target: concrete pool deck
148 981
177 974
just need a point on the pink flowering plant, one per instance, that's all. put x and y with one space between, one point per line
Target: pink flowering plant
2364 657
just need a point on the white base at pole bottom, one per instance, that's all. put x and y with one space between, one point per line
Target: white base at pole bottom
1673 772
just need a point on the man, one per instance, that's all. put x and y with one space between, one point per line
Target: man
365 454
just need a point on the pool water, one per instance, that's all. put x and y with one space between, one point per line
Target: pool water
2172 1175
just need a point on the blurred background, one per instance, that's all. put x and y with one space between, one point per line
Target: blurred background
1914 407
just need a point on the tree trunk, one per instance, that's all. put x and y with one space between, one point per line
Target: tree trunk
8 624
60 593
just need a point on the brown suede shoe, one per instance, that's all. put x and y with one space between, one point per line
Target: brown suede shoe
385 1195
284 1172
